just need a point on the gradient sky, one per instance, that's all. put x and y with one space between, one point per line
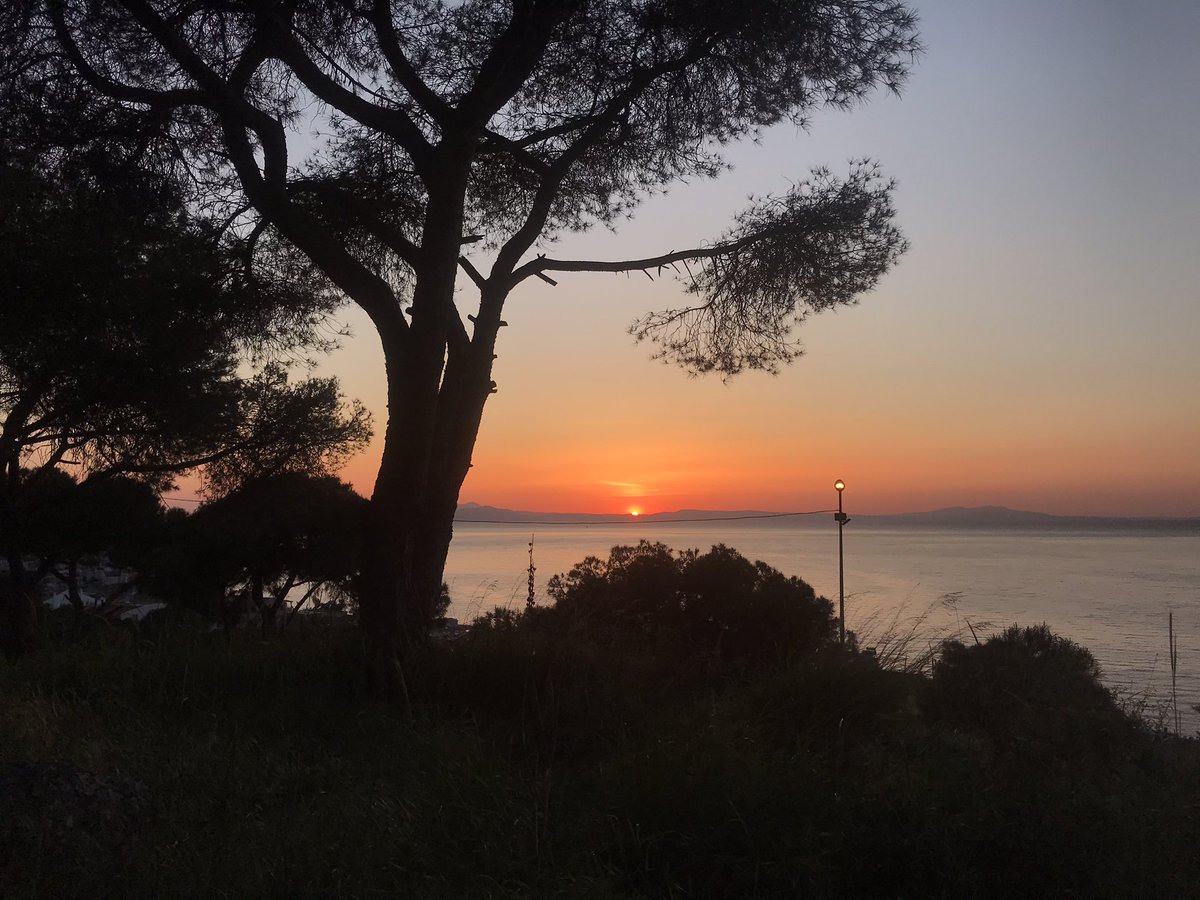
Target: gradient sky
1038 347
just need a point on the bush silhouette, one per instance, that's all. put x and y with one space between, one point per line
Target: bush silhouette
747 609
1029 685
732 608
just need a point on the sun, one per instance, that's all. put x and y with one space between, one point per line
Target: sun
635 512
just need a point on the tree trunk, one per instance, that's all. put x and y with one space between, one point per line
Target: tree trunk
258 601
411 514
411 521
401 581
73 593
270 611
18 612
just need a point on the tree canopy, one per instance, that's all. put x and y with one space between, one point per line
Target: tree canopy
270 535
123 326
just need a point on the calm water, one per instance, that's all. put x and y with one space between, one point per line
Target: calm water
1110 592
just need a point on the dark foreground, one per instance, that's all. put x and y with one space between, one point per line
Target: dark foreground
549 763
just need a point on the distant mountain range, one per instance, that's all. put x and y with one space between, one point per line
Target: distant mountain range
992 517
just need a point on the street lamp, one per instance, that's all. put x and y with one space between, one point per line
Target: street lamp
841 519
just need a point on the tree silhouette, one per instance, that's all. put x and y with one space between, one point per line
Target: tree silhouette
463 137
270 535
64 522
721 603
121 331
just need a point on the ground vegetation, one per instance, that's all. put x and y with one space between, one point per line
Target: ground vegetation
547 757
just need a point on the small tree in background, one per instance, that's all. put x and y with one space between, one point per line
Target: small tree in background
1028 685
749 609
66 523
122 327
255 545
636 588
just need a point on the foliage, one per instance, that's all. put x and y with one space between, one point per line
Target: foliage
111 320
1027 684
123 325
64 523
272 534
550 757
300 428
773 270
720 601
118 517
539 767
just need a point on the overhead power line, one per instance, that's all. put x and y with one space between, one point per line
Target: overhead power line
646 520
628 520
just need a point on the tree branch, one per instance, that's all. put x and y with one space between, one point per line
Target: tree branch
547 192
266 189
472 272
363 286
115 89
543 264
827 217
393 122
335 198
512 59
518 150
225 100
389 44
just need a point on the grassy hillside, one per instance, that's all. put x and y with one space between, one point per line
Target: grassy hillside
556 754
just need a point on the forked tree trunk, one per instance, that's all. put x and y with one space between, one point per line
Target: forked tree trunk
438 380
411 522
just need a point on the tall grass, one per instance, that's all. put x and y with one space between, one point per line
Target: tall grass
908 640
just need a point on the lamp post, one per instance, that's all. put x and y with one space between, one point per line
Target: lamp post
842 519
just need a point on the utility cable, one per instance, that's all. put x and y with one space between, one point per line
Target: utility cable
646 520
627 520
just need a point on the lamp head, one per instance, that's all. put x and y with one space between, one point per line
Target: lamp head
839 485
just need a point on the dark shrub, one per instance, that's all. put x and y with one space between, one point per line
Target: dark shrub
1027 685
720 601
636 587
535 684
830 699
743 609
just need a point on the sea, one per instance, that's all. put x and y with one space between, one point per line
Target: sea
1113 591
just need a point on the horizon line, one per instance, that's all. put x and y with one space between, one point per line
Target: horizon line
749 513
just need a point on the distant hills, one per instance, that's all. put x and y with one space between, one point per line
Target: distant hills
476 513
976 517
1003 517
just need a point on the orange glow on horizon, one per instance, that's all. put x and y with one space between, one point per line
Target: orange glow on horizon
654 442
576 476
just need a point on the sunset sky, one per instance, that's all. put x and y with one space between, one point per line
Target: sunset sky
1038 347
